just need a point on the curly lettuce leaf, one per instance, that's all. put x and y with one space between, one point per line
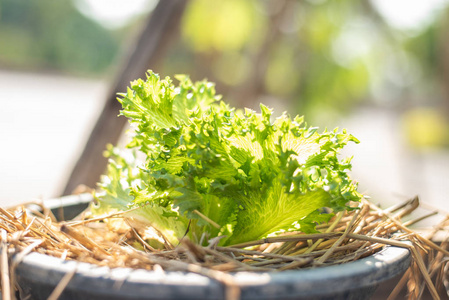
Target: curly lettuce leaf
212 170
123 177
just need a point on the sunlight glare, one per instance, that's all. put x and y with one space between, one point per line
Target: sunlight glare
114 13
409 15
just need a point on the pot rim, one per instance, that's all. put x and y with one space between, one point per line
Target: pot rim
371 268
44 269
363 273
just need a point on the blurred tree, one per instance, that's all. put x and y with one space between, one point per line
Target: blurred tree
318 58
424 82
315 57
53 35
289 51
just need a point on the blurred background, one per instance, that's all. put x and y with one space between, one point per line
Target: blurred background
379 68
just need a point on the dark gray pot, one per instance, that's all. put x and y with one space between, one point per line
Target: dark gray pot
38 274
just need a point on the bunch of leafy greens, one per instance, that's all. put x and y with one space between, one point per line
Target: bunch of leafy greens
211 170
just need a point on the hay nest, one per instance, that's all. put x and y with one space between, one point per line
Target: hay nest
349 236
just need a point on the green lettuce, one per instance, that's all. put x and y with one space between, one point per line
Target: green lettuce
209 170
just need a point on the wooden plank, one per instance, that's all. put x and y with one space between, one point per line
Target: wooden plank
162 27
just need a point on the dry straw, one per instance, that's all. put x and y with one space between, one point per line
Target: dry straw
351 235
